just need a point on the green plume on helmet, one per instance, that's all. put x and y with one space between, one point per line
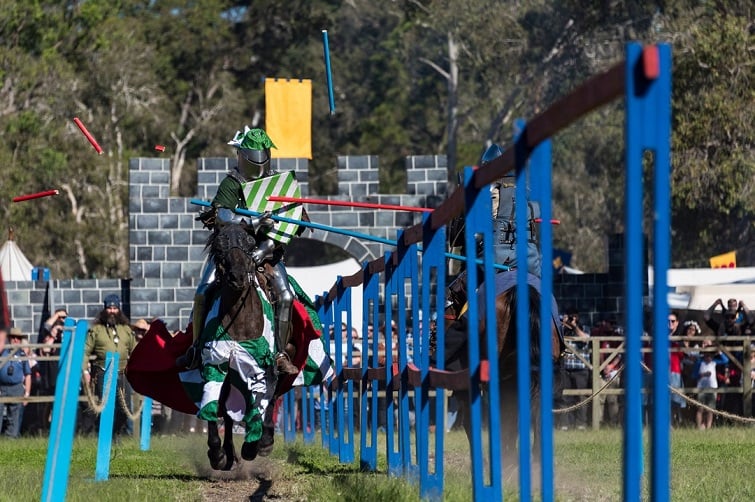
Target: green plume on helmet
252 139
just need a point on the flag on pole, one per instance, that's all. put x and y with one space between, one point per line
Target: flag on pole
288 117
256 193
726 260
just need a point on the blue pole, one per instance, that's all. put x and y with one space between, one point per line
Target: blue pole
146 428
328 73
350 233
634 265
60 443
657 106
105 439
540 165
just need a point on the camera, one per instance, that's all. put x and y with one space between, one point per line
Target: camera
11 369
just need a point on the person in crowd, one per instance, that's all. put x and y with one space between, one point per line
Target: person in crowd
15 381
576 369
110 332
690 347
723 329
676 356
707 382
44 376
729 326
140 329
690 331
611 364
58 318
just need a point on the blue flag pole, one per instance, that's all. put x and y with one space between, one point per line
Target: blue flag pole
328 74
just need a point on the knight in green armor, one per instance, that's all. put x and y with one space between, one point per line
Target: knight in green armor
253 153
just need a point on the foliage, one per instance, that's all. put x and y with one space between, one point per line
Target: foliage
410 77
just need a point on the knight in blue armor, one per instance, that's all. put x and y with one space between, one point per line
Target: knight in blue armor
503 196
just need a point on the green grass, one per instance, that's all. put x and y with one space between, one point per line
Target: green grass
706 465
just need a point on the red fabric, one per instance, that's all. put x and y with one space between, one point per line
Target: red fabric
303 331
152 370
676 355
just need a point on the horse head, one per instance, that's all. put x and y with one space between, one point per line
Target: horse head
231 246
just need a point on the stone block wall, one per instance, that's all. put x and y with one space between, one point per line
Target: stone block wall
166 244
600 294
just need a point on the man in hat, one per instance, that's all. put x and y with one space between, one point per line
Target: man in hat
15 381
110 332
253 152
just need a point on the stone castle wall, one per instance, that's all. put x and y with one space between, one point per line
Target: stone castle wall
166 244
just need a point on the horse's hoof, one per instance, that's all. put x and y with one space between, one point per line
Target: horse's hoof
217 459
249 450
266 441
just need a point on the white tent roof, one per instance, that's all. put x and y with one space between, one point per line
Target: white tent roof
318 280
15 266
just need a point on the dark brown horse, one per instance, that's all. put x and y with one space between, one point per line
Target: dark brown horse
234 310
506 322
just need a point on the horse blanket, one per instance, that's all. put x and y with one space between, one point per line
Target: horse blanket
248 366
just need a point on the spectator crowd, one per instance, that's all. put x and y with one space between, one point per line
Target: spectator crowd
708 365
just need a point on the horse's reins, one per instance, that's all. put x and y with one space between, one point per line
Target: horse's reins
250 275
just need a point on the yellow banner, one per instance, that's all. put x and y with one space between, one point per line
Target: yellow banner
726 260
288 117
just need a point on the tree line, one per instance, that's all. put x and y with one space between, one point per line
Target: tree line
411 77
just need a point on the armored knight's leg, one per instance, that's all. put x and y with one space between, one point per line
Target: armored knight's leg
285 300
192 357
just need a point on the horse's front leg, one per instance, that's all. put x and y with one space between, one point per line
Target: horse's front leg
268 430
219 459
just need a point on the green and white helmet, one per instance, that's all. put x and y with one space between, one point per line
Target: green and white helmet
253 150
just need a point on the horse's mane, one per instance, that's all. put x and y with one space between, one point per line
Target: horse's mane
223 238
534 320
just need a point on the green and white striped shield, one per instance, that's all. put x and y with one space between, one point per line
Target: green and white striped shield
283 185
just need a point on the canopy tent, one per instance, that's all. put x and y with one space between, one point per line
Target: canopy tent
698 288
15 266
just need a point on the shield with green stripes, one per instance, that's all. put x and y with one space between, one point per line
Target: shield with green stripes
256 193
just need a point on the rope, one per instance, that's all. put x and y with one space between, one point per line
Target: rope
744 420
589 398
96 405
124 406
720 413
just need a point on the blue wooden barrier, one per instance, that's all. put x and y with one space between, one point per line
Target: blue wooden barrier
644 80
145 430
63 425
105 433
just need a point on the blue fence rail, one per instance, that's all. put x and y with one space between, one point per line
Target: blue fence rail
419 262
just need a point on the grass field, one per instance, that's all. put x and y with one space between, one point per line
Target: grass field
706 465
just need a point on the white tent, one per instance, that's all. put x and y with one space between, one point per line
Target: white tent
318 280
698 288
15 266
